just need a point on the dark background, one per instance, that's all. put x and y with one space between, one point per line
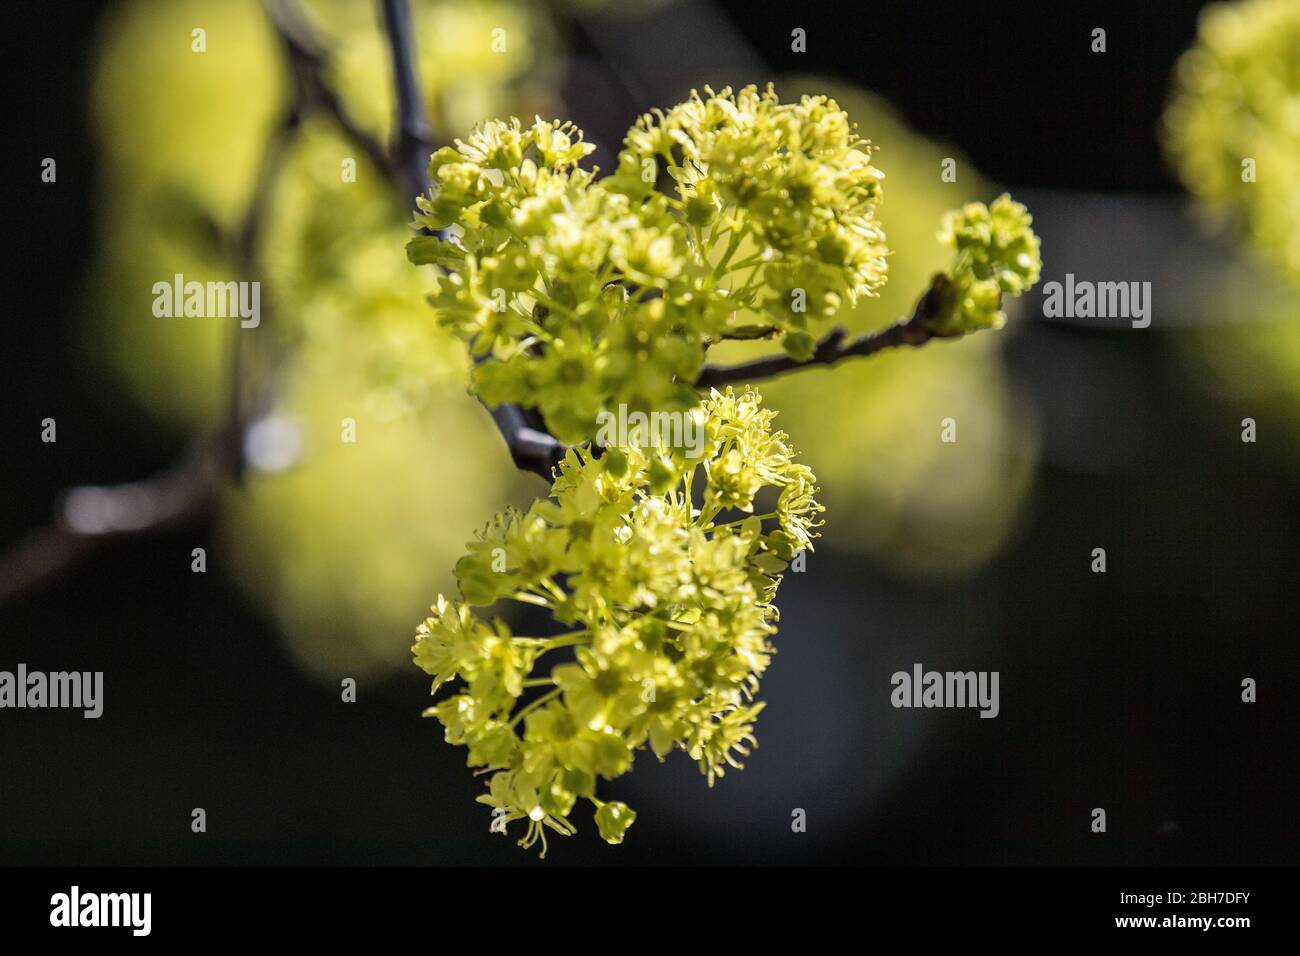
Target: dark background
1118 690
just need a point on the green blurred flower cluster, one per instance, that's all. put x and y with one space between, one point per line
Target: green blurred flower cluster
668 603
1233 124
579 293
997 254
1232 129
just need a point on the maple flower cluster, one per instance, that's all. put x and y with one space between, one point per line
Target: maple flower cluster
662 567
997 254
729 216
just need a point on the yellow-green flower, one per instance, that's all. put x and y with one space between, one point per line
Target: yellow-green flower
579 294
667 604
997 253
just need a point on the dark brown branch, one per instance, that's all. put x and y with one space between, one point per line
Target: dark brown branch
914 331
92 515
531 449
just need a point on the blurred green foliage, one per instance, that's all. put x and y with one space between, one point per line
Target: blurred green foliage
345 548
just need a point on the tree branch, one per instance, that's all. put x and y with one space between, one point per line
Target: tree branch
914 331
91 515
531 449
414 134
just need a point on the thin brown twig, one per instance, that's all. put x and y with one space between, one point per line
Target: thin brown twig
89 516
914 330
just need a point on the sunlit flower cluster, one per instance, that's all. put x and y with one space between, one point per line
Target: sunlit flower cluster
997 253
662 568
789 187
730 216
